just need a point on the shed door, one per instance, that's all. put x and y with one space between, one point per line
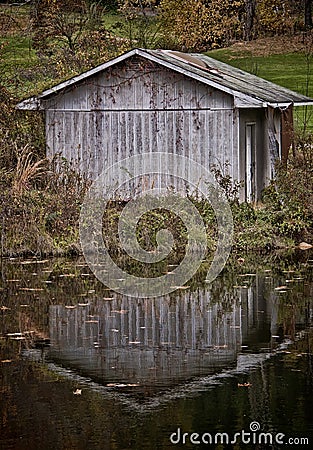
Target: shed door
251 187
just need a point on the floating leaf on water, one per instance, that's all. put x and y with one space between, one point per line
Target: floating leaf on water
305 246
280 288
31 289
4 308
70 306
83 304
77 392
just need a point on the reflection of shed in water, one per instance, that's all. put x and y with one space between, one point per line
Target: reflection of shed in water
150 341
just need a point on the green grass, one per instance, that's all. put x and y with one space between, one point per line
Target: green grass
16 51
16 56
110 20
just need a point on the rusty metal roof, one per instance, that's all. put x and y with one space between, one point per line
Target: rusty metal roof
248 90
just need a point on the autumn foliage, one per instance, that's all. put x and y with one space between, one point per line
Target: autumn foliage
199 25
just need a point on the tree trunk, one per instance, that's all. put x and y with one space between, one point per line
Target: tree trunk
308 14
249 19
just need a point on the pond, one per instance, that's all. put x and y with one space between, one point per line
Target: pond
221 365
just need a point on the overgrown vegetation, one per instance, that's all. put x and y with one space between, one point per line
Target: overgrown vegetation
45 42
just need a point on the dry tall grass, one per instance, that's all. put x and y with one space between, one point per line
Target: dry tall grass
28 171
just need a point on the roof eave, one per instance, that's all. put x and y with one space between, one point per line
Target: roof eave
31 103
286 104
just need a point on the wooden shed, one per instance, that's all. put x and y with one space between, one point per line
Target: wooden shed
168 101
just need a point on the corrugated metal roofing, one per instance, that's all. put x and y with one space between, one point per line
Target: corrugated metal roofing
250 89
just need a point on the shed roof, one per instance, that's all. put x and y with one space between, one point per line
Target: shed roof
249 90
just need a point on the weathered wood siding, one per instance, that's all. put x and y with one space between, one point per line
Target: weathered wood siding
138 106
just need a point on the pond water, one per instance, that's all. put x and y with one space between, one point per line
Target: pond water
222 365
